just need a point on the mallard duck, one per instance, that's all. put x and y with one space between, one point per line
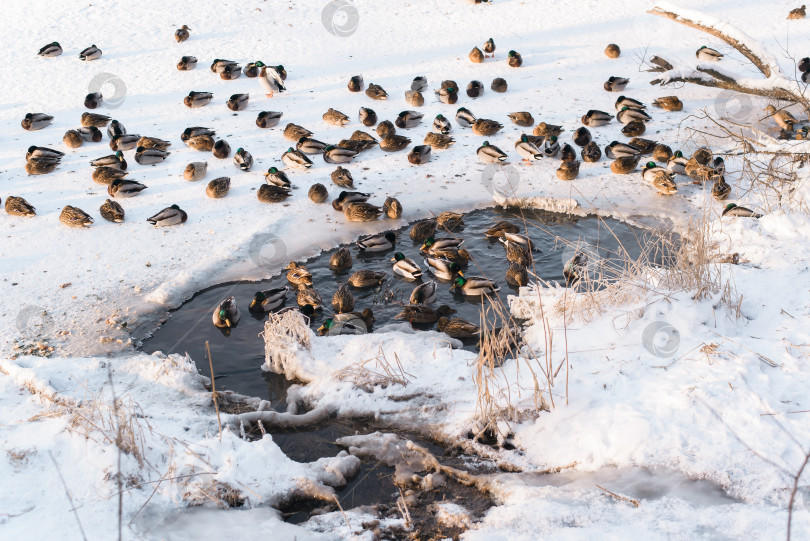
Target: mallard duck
625 164
342 177
359 135
720 189
271 78
308 296
277 178
349 197
660 178
268 300
377 243
341 260
238 102
441 124
296 159
75 217
475 89
732 209
627 115
547 130
797 13
308 145
197 99
447 95
356 83
718 165
527 150
514 59
17 206
268 119
517 275
677 163
419 155
422 313
342 300
182 34
696 171
490 153
574 268
456 255
269 193
294 132
457 328
376 92
90 134
476 56
551 147
783 118
218 187
449 83
432 245
361 212
522 118
35 121
634 128
221 149
424 293
392 208
298 274
669 103
243 159
568 170
406 267
356 146
517 252
386 128
334 327
46 152
107 175
438 141
450 221
226 314
442 268
591 152
251 70
172 215
394 143
335 117
219 65
111 211
707 54
662 153
318 193
93 100
202 143
489 47
644 146
153 142
499 85
703 155
613 51
90 53
366 278
73 139
231 72
804 64
334 154
616 84
51 50
415 98
367 116
582 136
419 83
148 156
195 171
123 188
486 127
42 166
188 133
423 229
499 228
115 128
620 150
408 119
595 118
567 153
474 285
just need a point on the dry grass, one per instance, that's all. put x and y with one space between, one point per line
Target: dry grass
381 373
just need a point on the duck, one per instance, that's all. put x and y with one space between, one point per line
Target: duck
698 172
90 134
270 77
268 119
644 146
243 159
221 149
308 145
359 135
620 150
342 300
703 155
238 102
187 134
182 34
269 193
377 243
153 142
625 164
660 178
93 100
318 193
268 300
438 141
333 327
489 47
613 51
419 155
464 117
624 101
356 83
18 206
366 278
442 268
219 65
294 132
341 260
423 229
116 128
202 143
456 255
450 221
298 274
517 275
361 212
551 147
499 85
669 103
591 152
424 293
662 153
335 117
406 267
231 72
419 83
522 118
582 136
595 118
488 153
486 127
447 95
75 217
476 56
394 143
707 54
197 99
226 313
367 116
718 165
334 154
172 215
528 151
422 313
392 208
514 59
112 211
544 129
147 156
720 189
783 118
516 252
457 328
349 197
123 188
218 187
277 178
474 285
408 119
616 84
342 177
296 159
362 320
677 163
46 152
35 121
574 268
73 139
415 98
308 296
251 70
500 228
50 50
568 170
567 153
475 89
90 53
634 128
432 244
734 210
386 128
376 92
797 13
42 166
627 115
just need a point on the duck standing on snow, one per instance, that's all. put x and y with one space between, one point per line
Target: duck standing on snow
270 78
182 34
489 47
226 314
528 151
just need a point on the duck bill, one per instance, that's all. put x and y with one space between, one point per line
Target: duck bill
321 330
252 303
228 323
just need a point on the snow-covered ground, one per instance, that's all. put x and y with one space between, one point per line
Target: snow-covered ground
720 409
